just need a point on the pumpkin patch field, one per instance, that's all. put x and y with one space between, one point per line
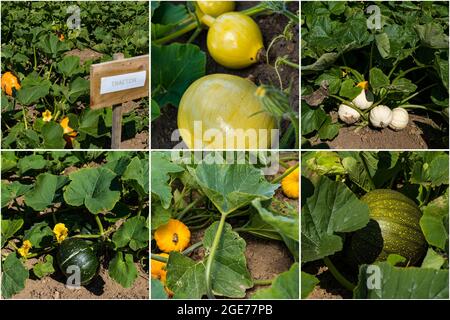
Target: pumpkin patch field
375 74
374 225
224 225
47 50
74 225
223 70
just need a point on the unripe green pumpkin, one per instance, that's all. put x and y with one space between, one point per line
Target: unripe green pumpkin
393 229
79 253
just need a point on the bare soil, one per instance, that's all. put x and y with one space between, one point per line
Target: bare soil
271 26
421 133
102 287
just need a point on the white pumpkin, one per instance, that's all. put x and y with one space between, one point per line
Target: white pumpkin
348 114
361 100
380 116
400 119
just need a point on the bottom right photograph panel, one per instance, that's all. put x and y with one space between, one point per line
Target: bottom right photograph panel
374 225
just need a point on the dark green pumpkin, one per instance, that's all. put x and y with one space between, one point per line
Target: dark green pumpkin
78 252
393 229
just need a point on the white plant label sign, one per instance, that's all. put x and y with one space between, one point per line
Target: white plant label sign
123 82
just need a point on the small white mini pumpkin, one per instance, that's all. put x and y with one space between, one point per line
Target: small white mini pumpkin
348 114
361 100
380 116
400 119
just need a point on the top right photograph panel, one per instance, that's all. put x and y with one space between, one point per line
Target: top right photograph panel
374 75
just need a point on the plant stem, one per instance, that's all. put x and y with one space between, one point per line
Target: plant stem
212 253
87 236
187 208
417 93
263 282
403 73
192 248
338 276
99 224
286 173
294 121
158 258
141 205
191 26
290 63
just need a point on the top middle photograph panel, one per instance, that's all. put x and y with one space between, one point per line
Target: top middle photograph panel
225 74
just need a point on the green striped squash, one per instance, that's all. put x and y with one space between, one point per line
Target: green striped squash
79 253
393 229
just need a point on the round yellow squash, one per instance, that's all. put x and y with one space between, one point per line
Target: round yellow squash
215 8
233 40
221 111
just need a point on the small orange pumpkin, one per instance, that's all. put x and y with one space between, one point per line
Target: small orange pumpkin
289 184
173 236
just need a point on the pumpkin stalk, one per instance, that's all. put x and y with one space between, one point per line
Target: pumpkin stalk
158 258
99 224
285 174
337 275
212 253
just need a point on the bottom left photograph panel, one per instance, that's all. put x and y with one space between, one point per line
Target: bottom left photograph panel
74 225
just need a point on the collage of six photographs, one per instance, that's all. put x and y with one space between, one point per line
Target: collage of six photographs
155 150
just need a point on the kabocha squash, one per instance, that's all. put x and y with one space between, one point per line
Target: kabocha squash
8 82
79 253
393 229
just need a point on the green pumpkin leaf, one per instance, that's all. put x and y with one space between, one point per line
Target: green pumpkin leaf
309 282
285 286
69 66
232 186
43 269
170 80
433 260
45 191
434 222
92 187
11 191
185 277
33 162
382 281
157 290
40 235
161 167
122 269
14 275
134 232
229 275
9 228
137 173
53 135
331 209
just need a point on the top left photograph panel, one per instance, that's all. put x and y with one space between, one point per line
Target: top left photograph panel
75 75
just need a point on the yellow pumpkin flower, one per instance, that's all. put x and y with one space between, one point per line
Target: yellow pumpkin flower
289 184
173 236
69 133
363 85
61 37
47 116
61 232
65 125
8 82
25 248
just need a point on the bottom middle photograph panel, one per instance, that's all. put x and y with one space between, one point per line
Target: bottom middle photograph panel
225 225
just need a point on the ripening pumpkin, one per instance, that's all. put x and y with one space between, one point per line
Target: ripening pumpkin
8 82
173 236
289 184
159 268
